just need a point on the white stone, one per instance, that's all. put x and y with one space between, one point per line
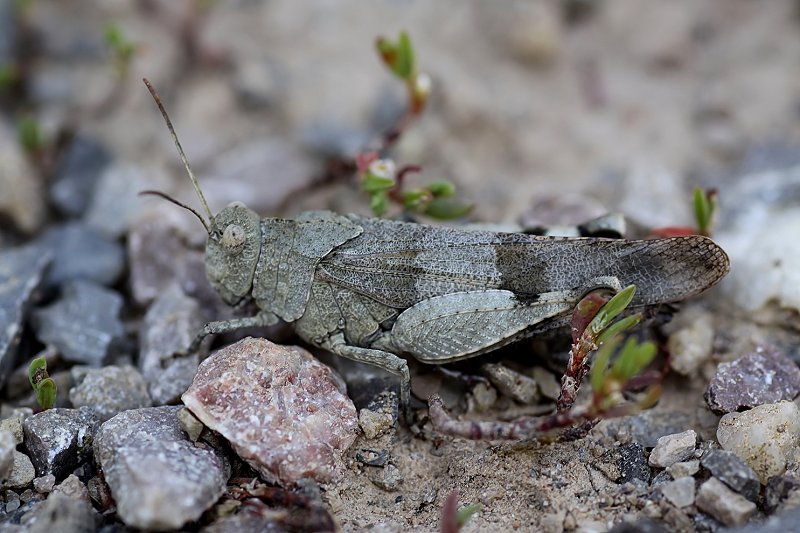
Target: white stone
762 437
723 504
690 346
673 448
680 492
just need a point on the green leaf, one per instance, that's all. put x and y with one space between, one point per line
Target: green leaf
702 209
37 371
442 189
375 183
46 393
611 309
597 374
617 327
404 61
415 198
29 134
379 203
463 515
632 359
447 209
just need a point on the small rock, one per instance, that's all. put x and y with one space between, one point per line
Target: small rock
680 492
60 513
12 501
77 174
548 384
100 493
762 437
673 448
648 426
21 273
633 463
22 472
766 376
44 484
81 253
73 488
190 424
723 504
22 201
58 440
732 471
778 490
109 390
284 412
484 396
83 324
515 385
170 325
683 468
374 423
387 478
8 446
159 479
691 346
257 84
13 425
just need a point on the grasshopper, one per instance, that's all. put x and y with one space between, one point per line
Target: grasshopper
372 290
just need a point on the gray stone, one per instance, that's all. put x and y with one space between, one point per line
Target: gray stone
61 513
22 472
257 83
58 440
765 376
778 490
633 463
647 427
190 424
83 324
170 325
13 425
73 488
44 484
515 385
730 508
109 390
673 448
305 421
762 437
680 492
387 478
683 468
77 174
245 521
732 471
8 446
159 479
21 273
22 201
81 253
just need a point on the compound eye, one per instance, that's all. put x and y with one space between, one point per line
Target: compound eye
233 238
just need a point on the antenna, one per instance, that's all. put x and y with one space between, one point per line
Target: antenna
179 204
183 159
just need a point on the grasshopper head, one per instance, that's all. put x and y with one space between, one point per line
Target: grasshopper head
232 250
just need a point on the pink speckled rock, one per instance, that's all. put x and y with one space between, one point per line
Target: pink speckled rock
283 411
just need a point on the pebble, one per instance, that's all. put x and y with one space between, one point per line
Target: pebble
170 325
387 478
12 501
21 273
257 84
81 252
762 437
673 448
58 440
691 345
680 492
379 415
374 423
44 484
22 472
284 412
61 513
765 376
548 384
8 446
483 396
723 504
73 488
515 385
633 463
190 424
683 468
77 174
13 425
779 489
22 201
647 427
732 471
83 324
159 479
109 390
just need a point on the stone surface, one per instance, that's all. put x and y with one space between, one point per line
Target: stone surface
683 468
22 472
190 424
61 513
159 479
109 390
81 252
731 470
723 504
762 437
170 325
515 385
779 489
690 346
633 463
77 174
23 200
283 411
44 484
21 273
387 478
673 448
58 440
8 446
766 376
83 324
680 492
13 424
73 488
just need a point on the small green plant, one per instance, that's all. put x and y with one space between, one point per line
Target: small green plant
122 49
705 206
29 135
608 383
453 518
43 385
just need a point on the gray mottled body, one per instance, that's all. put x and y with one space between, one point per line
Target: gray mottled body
372 290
